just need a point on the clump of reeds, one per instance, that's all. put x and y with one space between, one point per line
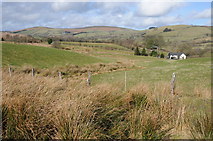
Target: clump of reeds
201 126
48 108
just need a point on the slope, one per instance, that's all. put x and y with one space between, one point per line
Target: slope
19 55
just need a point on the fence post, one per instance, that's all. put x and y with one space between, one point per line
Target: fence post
89 79
33 72
173 84
10 70
125 81
59 75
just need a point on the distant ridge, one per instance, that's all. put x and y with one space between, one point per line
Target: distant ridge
103 28
172 34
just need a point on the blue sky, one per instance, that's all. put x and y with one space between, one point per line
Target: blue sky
134 15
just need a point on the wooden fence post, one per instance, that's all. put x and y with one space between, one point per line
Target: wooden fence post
10 70
33 71
59 75
173 84
125 81
89 79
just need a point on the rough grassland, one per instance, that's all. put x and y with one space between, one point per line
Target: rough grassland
19 55
46 108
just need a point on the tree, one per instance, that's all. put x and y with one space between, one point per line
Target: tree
49 40
161 55
167 30
143 53
137 52
150 41
185 48
154 53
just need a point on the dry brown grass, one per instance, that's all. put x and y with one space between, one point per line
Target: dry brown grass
48 108
73 70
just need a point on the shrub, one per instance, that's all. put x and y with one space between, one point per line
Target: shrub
137 52
161 55
49 41
167 30
154 53
143 53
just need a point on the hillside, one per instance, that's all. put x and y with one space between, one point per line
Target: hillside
86 32
19 55
198 36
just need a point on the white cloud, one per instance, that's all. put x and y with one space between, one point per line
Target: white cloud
157 8
159 21
80 14
61 6
205 14
79 7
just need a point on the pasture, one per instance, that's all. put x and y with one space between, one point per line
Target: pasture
69 109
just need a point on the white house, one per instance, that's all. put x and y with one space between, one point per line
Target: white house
176 56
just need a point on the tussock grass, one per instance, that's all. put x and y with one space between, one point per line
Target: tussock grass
201 127
49 108
72 70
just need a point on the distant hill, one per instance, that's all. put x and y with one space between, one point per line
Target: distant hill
94 31
200 36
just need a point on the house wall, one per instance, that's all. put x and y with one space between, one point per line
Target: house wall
183 56
173 57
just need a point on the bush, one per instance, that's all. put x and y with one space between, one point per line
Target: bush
49 41
154 53
167 30
137 52
162 55
143 53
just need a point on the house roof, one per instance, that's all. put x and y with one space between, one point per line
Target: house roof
178 53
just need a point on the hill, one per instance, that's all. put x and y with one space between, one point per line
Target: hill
86 32
19 55
198 36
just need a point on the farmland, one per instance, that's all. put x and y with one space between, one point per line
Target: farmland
19 55
199 36
70 109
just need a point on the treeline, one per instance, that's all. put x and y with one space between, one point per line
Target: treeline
131 42
144 52
19 38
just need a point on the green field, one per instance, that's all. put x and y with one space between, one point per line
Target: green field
190 73
116 112
19 55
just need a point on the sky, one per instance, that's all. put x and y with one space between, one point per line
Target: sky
135 15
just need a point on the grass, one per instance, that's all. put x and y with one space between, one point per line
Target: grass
189 72
46 108
19 55
106 46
